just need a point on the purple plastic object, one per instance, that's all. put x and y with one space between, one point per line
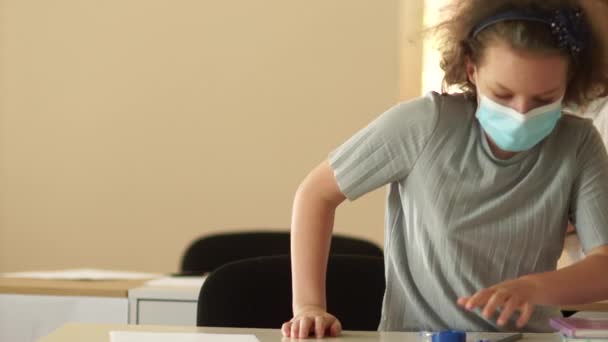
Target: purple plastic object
581 327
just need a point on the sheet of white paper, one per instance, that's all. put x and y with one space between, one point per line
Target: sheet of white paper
189 281
83 274
145 336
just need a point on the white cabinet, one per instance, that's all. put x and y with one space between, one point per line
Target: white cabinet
29 317
32 308
166 312
167 301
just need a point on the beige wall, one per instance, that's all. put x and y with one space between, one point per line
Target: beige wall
129 127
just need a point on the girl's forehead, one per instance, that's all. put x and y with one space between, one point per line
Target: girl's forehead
515 68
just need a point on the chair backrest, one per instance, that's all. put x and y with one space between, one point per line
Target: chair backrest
209 252
256 292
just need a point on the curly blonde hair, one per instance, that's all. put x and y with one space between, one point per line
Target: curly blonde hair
588 70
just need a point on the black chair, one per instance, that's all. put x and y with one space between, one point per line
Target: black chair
256 292
209 252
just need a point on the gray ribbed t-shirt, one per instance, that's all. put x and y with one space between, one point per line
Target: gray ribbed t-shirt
459 219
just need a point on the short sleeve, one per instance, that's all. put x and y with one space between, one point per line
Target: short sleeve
589 209
598 111
601 122
386 150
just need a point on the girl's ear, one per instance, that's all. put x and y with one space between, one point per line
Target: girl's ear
471 70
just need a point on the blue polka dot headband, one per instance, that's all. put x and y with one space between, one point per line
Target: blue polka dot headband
568 25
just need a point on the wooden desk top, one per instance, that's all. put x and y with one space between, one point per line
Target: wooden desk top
101 332
94 288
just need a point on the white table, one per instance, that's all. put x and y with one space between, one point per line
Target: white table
74 332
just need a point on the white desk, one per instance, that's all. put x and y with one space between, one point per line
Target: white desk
77 332
31 308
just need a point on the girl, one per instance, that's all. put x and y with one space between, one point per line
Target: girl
481 184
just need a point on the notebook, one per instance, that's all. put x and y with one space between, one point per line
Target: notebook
581 327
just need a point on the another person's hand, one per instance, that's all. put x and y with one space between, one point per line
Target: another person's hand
510 296
312 319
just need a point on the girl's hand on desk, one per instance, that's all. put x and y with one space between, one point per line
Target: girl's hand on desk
314 320
513 295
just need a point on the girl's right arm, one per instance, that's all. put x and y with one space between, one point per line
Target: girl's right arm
314 207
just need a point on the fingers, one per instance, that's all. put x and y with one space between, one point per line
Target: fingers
479 299
302 327
526 313
306 324
295 328
286 329
335 329
508 310
319 327
494 302
462 301
491 301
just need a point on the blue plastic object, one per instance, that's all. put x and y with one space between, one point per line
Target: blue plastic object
450 336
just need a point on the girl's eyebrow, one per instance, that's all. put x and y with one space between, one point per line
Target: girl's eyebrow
504 88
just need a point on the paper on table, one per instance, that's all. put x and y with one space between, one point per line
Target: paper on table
501 336
83 274
181 281
141 336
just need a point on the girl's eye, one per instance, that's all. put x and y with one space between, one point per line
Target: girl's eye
503 96
544 102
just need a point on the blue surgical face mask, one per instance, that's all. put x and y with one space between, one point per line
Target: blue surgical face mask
513 131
